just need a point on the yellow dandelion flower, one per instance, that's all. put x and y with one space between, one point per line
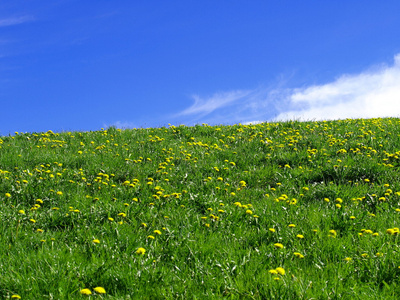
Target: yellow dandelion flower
278 245
96 241
292 225
141 251
15 297
333 232
21 211
348 259
151 237
157 232
275 272
99 290
390 231
365 255
300 236
280 270
86 292
272 229
249 212
298 254
8 195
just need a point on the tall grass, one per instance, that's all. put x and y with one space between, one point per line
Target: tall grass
290 210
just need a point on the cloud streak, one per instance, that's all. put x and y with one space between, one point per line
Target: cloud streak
369 94
15 21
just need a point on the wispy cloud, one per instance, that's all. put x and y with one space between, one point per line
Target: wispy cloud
204 106
15 20
369 94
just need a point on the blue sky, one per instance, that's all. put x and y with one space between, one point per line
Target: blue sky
82 65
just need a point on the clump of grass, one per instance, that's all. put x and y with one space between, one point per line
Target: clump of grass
283 210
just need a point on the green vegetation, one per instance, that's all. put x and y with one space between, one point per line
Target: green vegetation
292 210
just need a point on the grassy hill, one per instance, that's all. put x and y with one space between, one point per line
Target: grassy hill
292 210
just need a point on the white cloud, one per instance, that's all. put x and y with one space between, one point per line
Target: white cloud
15 21
369 94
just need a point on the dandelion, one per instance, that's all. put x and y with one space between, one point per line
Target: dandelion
96 241
275 272
300 236
140 251
348 259
59 193
390 231
292 225
365 255
280 270
22 212
272 229
8 195
86 292
278 245
332 233
15 297
151 237
99 290
298 254
249 212
157 232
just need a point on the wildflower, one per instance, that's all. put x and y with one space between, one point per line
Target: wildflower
8 195
59 193
348 259
141 251
278 245
390 231
86 292
99 290
280 270
365 255
39 230
292 225
15 297
151 237
32 220
300 236
96 241
275 272
352 217
272 229
157 232
298 254
249 212
21 211
333 233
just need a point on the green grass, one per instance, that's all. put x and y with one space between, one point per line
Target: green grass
207 204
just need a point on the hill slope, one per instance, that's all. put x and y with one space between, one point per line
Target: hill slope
275 210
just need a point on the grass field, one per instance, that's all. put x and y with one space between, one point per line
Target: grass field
291 210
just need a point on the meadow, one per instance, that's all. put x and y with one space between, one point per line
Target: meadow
286 210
